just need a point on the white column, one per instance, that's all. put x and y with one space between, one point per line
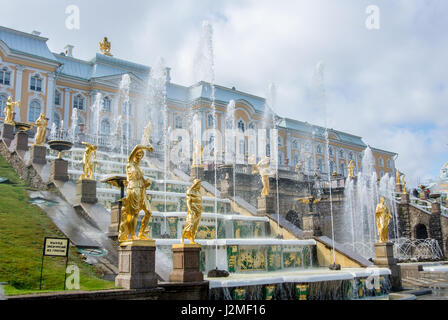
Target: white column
50 98
288 149
18 91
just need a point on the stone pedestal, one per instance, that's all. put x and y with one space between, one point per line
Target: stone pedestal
136 265
265 205
422 195
311 225
384 252
186 263
86 191
404 198
115 217
21 141
7 132
197 172
59 170
38 154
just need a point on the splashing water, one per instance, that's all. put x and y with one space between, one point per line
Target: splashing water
125 85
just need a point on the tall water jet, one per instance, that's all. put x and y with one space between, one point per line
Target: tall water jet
97 107
321 103
75 124
230 145
125 85
205 69
361 195
274 162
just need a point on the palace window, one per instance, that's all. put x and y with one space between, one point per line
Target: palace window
2 105
36 83
280 141
319 149
78 102
106 104
319 164
178 122
210 120
34 111
56 119
341 154
389 163
330 151
57 98
241 126
5 77
381 162
331 166
295 144
342 169
105 127
280 158
242 147
350 156
126 108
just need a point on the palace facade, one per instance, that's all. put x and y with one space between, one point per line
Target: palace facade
55 83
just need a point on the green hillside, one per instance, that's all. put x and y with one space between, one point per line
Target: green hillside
23 227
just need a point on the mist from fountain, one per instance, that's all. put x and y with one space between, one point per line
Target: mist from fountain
75 124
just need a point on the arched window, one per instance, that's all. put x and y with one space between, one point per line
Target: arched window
106 104
36 83
389 163
421 231
210 120
57 98
252 125
105 127
319 149
241 126
381 162
78 102
5 77
2 105
330 151
178 122
341 154
34 111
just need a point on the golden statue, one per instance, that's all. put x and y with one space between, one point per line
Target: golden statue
382 220
403 183
136 198
351 167
198 150
397 177
105 47
262 168
87 165
194 211
9 110
41 124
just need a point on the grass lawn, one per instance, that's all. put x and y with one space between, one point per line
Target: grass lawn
23 227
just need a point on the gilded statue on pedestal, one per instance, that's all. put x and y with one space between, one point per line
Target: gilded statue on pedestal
9 110
383 217
403 184
194 211
41 124
136 198
88 167
263 169
351 168
105 47
198 150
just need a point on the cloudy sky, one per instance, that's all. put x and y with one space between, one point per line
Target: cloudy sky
388 85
